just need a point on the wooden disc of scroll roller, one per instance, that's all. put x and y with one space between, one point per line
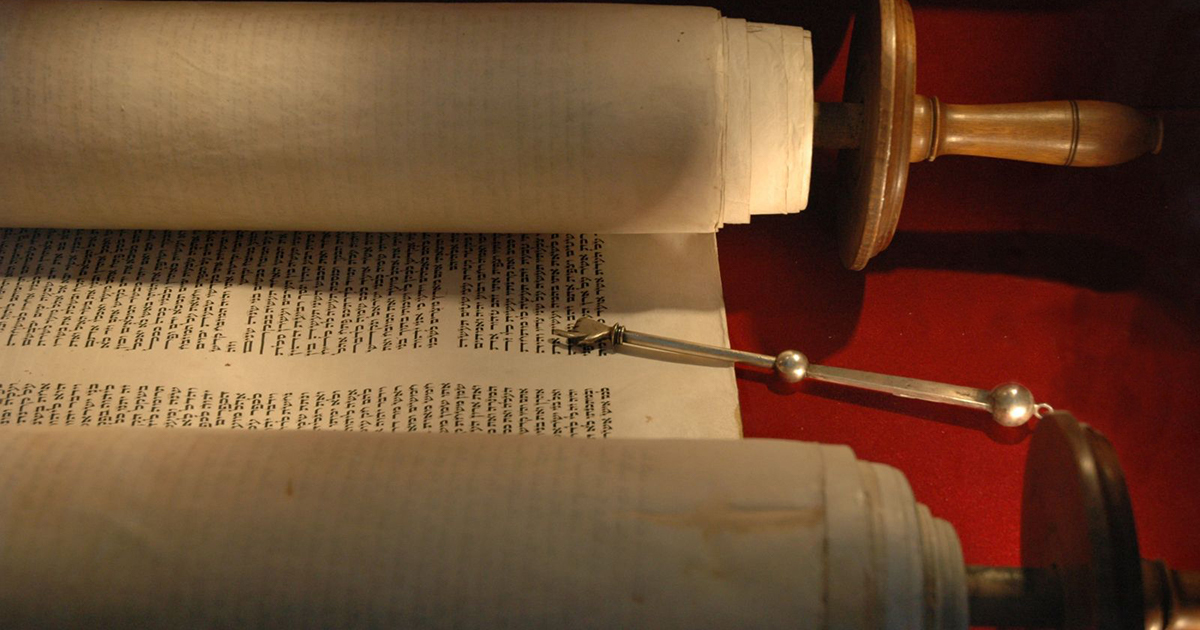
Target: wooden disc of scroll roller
882 76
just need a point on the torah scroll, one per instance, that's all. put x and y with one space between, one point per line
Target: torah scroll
170 529
398 117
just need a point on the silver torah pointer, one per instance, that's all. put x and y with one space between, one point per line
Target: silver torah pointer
1011 404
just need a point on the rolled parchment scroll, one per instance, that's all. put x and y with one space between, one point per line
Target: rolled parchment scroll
398 117
107 527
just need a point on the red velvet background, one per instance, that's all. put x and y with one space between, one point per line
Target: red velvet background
1082 284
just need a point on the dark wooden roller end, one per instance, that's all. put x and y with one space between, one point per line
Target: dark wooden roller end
882 125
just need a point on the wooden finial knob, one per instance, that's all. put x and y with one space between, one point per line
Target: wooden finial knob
1063 133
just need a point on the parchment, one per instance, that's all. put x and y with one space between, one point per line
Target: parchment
126 528
109 527
357 332
398 117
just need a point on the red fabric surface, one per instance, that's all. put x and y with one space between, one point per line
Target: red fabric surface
1080 283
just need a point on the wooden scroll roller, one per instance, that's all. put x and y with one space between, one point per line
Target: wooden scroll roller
1082 567
883 125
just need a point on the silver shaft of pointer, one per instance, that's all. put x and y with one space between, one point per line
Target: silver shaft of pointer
679 346
1010 404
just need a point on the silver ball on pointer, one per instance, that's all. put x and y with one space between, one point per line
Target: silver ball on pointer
791 366
1012 404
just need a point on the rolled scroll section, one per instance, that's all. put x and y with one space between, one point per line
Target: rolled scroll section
209 527
398 116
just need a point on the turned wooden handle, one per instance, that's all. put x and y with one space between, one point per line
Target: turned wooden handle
1066 133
